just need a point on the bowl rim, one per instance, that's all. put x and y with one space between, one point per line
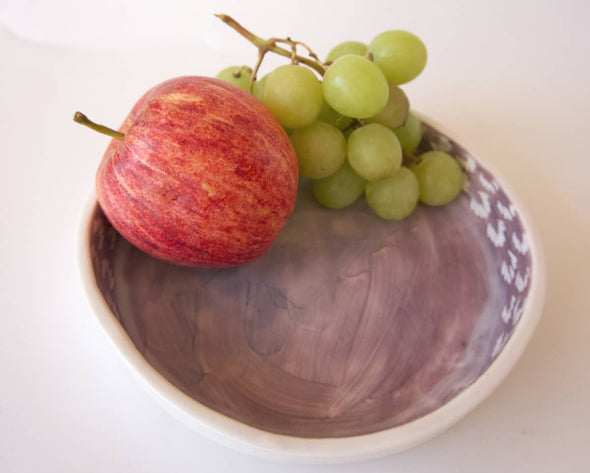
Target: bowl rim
251 440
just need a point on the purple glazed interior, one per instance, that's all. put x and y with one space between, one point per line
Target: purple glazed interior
348 325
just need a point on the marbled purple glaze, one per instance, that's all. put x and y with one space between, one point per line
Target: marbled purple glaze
348 325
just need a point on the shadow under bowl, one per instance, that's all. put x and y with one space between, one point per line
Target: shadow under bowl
352 337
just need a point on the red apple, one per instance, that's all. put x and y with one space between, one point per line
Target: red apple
205 175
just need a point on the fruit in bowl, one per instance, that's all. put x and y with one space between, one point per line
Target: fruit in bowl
202 174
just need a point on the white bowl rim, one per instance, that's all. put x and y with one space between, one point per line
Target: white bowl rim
258 442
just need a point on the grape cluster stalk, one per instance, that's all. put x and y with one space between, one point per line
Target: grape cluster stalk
272 44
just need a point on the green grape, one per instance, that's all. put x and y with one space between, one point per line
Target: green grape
339 190
258 88
400 55
294 95
374 152
395 112
410 134
355 87
439 176
347 47
395 197
320 149
236 75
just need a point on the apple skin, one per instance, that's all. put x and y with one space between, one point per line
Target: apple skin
205 175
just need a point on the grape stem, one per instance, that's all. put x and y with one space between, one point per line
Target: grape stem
353 125
238 72
411 156
270 45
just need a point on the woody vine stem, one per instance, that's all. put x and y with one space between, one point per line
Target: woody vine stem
272 45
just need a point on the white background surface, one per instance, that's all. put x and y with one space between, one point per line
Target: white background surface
510 79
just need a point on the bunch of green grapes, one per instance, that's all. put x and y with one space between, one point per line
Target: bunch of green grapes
352 125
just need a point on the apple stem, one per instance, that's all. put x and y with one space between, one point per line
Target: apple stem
84 120
266 45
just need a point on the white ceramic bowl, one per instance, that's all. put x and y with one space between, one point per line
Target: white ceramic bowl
352 338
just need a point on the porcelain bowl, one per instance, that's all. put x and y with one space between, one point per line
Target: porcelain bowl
352 338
